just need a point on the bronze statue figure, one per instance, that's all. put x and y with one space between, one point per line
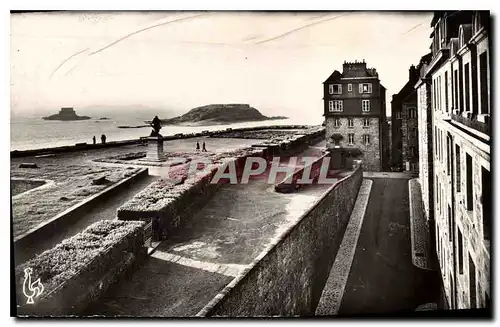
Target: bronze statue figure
156 124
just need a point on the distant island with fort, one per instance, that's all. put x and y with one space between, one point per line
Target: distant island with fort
66 114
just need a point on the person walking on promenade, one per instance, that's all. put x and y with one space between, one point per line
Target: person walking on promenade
197 146
93 139
204 149
103 139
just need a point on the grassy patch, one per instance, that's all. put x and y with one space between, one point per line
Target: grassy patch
21 186
65 260
40 205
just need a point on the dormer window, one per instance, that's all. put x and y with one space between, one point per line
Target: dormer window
480 20
461 38
477 22
335 89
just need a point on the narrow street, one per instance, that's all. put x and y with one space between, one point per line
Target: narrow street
382 278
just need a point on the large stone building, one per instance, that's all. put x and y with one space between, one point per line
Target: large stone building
404 126
355 115
453 96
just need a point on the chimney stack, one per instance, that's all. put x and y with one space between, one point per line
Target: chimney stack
413 73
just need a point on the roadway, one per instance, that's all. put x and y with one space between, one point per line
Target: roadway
382 278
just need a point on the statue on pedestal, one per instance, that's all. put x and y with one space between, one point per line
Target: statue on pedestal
156 124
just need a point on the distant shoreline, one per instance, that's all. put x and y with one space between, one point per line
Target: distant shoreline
89 146
209 122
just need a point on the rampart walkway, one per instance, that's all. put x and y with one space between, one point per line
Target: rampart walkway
189 269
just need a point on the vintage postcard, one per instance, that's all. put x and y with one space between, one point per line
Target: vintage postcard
251 164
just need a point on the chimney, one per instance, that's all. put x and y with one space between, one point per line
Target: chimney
413 73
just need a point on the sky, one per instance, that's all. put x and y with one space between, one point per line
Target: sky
175 61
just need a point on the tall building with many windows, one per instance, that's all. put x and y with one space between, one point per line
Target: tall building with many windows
355 115
455 109
404 126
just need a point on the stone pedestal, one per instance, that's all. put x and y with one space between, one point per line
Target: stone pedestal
155 149
336 159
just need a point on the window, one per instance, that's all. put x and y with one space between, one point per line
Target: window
413 113
350 138
439 92
350 122
335 105
486 202
449 150
460 251
446 91
458 167
349 87
336 122
434 95
455 87
438 198
441 145
438 148
398 115
335 89
413 151
472 283
467 87
365 88
366 139
483 82
435 142
365 105
468 168
366 122
450 224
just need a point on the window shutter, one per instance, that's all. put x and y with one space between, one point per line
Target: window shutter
360 88
370 88
340 88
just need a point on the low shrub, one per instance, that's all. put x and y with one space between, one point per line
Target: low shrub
59 264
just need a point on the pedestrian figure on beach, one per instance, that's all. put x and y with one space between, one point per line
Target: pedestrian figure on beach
204 149
197 146
103 138
93 139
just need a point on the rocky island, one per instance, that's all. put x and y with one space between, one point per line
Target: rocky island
215 114
66 114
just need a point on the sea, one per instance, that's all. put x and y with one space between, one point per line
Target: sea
36 133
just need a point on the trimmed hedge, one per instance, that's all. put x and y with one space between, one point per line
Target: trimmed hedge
85 256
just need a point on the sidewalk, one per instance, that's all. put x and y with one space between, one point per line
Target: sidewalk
420 236
331 298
